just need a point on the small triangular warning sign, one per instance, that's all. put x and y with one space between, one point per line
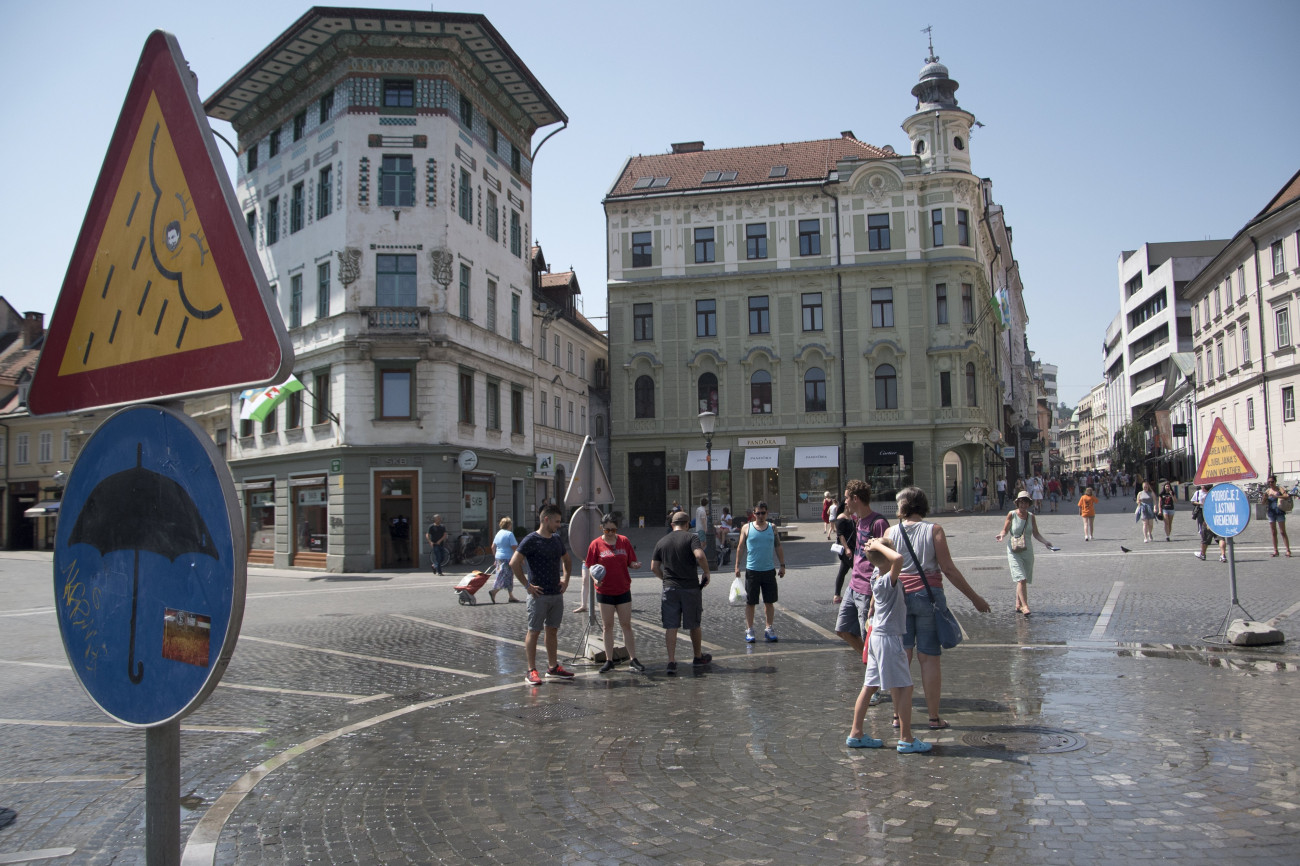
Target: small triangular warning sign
1222 459
589 484
164 295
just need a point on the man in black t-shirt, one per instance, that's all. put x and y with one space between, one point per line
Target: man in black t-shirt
549 568
675 560
437 536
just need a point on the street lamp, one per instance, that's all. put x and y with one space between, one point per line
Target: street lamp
707 422
1028 433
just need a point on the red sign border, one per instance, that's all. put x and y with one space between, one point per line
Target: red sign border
264 354
1219 427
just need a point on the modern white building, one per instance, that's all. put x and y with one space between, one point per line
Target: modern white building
1245 308
1153 323
385 172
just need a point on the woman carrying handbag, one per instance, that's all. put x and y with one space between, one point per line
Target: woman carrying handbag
1020 553
926 562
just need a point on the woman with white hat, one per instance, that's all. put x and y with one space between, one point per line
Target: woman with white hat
1020 553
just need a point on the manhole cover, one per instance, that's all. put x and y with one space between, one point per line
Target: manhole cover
1024 740
540 714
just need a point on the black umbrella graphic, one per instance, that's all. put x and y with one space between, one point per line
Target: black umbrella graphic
139 509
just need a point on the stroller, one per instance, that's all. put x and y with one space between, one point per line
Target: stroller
472 583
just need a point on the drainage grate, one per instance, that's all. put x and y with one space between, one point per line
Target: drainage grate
540 714
1024 740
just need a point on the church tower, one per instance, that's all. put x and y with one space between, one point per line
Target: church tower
939 131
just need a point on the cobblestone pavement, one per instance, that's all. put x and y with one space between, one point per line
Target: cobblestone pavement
372 719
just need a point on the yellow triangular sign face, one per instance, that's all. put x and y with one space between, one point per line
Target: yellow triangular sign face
1222 459
153 289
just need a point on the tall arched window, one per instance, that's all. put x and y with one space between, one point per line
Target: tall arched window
708 392
972 395
760 393
886 387
645 397
814 390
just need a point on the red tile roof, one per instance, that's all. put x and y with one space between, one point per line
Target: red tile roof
804 161
1289 193
564 280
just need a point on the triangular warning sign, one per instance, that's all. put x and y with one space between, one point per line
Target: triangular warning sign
164 295
1222 459
589 484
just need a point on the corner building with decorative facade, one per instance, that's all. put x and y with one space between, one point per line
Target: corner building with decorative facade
385 166
830 300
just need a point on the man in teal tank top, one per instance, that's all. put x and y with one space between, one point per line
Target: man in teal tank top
760 549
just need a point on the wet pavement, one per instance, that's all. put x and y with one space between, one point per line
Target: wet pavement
372 719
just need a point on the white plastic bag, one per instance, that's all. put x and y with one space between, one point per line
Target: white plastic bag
737 594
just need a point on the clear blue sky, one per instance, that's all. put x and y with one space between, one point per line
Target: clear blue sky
1106 124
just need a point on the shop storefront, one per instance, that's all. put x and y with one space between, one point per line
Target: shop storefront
816 472
310 499
887 467
763 474
396 527
259 507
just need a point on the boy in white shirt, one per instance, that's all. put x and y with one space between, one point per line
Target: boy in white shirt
887 665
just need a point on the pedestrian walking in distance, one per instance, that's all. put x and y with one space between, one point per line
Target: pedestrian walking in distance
1167 500
549 564
1088 511
1146 511
437 536
1277 499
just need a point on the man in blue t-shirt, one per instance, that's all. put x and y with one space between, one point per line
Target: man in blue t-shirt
549 566
759 549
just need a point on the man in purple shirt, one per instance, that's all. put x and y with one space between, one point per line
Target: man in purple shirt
857 597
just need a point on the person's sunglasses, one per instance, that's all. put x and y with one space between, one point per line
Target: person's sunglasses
611 529
760 512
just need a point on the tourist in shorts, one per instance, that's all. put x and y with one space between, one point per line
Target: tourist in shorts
887 662
675 560
759 549
549 566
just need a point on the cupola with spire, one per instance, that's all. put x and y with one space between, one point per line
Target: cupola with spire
939 131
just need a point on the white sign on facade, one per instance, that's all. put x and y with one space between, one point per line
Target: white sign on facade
545 464
760 441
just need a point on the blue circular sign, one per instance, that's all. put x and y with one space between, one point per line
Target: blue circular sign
1226 510
149 566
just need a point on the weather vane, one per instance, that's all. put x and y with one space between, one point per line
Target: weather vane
928 30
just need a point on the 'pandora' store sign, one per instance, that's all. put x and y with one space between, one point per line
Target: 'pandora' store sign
760 441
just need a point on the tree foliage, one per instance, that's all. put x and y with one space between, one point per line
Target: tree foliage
1128 450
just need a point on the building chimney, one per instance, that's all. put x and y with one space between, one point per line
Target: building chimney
848 133
688 146
33 328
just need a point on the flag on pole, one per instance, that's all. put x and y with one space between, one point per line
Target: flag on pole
260 402
1004 306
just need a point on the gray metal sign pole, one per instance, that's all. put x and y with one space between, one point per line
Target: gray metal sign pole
162 794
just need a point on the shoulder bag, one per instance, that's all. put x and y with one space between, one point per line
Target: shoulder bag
949 629
1018 543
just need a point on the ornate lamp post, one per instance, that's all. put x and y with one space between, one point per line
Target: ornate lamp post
707 422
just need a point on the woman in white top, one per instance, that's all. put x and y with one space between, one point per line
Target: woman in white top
931 546
1146 510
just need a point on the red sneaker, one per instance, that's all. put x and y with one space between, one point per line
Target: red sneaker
560 671
533 678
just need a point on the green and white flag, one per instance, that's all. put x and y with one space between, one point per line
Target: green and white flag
260 402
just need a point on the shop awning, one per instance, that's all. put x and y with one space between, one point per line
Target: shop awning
761 458
43 509
812 458
695 461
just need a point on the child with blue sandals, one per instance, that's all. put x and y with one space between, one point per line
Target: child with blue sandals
887 666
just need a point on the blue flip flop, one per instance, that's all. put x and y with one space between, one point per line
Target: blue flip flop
864 742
